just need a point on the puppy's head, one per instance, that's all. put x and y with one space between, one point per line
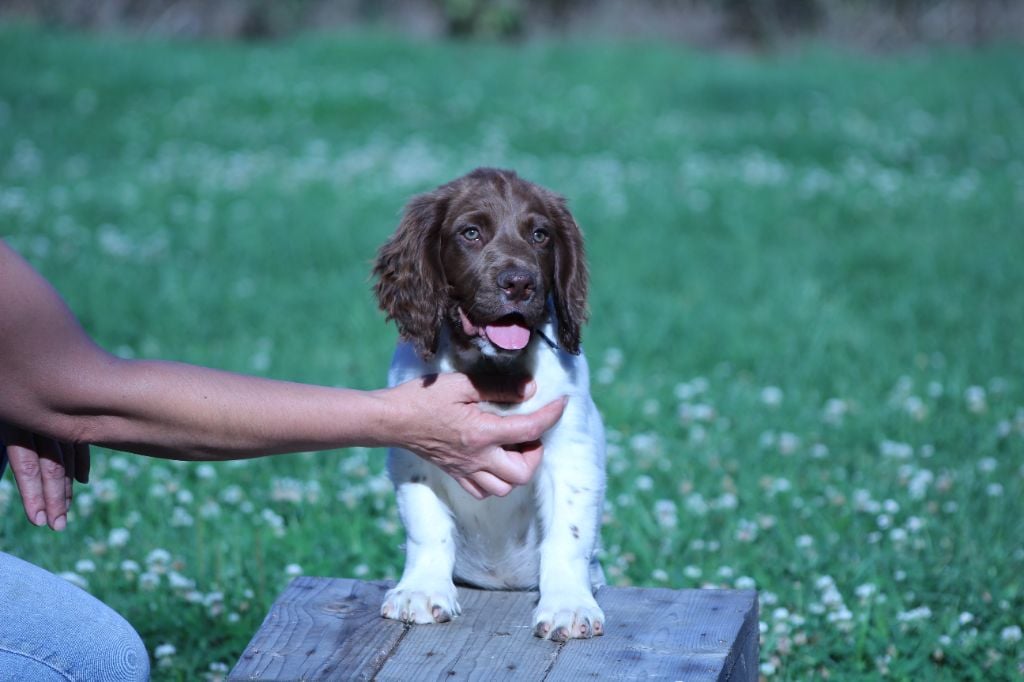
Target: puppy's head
483 254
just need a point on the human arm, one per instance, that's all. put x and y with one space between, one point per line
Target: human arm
59 384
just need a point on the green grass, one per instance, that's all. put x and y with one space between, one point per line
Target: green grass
807 335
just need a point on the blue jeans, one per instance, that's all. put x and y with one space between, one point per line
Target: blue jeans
52 630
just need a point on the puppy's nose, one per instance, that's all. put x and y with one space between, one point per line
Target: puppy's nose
518 284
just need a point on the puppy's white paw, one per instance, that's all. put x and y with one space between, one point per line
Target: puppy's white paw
421 603
567 617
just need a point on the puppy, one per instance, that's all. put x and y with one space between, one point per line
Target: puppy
486 276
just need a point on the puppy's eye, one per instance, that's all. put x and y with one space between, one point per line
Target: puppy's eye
539 236
471 233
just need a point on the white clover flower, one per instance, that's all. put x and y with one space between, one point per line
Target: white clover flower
834 411
659 575
745 582
964 618
85 566
206 471
180 518
158 560
613 357
149 581
896 450
746 531
666 513
920 613
824 582
361 570
726 501
209 509
286 490
293 570
819 451
987 465
919 482
105 489
695 504
781 613
832 597
915 407
233 494
696 412
976 401
692 572
164 650
771 396
804 541
994 489
179 582
725 572
130 568
1011 633
865 591
898 535
75 579
788 443
274 520
118 537
644 482
645 443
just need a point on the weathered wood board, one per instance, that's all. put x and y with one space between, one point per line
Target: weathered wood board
330 629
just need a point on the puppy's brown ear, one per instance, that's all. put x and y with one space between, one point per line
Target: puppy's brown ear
410 285
570 276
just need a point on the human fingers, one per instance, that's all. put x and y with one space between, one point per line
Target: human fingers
471 488
526 428
491 484
67 456
515 464
55 483
23 456
83 462
24 463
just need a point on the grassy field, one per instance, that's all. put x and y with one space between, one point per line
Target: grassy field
807 328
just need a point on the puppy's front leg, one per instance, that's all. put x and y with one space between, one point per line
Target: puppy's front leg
426 593
570 507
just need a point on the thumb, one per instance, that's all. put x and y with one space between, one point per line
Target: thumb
525 428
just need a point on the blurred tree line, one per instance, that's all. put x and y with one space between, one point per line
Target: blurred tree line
759 23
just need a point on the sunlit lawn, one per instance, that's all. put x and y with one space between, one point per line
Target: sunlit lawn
807 328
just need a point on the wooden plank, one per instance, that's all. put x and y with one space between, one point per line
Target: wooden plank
492 640
662 634
322 629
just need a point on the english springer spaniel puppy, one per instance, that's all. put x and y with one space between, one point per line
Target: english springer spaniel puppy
486 276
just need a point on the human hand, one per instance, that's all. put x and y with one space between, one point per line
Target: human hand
486 454
45 470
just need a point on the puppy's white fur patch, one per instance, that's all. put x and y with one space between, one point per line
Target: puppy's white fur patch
541 535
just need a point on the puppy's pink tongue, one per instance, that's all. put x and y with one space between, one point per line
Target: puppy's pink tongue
508 336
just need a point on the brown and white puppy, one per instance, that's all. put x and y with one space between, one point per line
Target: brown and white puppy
486 275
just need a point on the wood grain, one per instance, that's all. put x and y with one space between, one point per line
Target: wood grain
330 629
